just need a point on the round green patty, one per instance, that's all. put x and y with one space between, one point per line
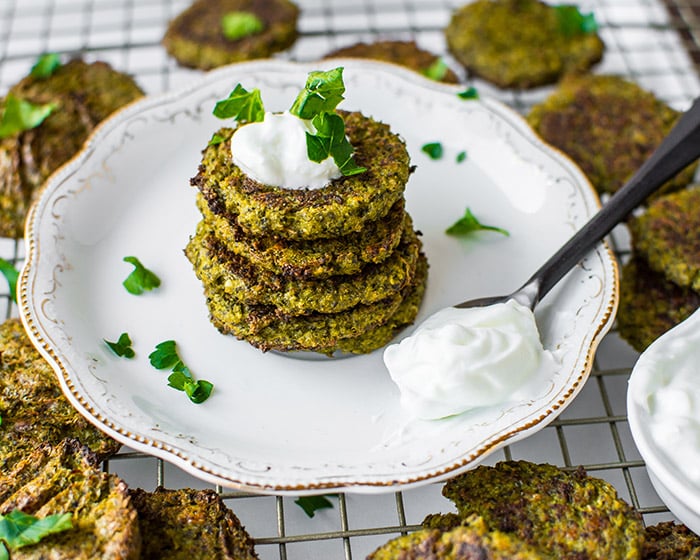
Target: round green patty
650 305
319 258
608 126
667 236
518 43
219 269
567 514
670 541
195 38
403 53
266 329
343 207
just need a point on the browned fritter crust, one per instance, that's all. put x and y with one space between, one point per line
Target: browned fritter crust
189 524
609 126
667 236
319 258
195 37
650 305
670 541
403 53
66 478
85 94
32 407
568 514
344 206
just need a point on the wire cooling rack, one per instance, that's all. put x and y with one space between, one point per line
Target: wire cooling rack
654 43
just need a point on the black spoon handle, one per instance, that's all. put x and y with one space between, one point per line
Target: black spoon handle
679 149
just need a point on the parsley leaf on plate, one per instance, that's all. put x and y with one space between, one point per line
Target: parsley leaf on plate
242 105
20 115
165 356
468 224
469 93
11 274
122 347
236 25
572 22
45 65
18 529
141 279
433 150
311 504
322 93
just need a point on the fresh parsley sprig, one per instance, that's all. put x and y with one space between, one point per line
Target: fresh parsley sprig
20 115
468 224
122 347
236 25
18 529
322 92
469 93
165 356
311 504
433 150
572 22
45 65
11 274
141 279
242 105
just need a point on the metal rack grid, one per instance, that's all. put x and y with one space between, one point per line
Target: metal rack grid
655 44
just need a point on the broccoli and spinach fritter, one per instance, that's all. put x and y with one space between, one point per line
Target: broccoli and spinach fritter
670 541
196 37
519 43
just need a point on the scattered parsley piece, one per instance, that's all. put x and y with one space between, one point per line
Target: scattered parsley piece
461 156
242 105
330 140
215 140
468 224
20 115
572 22
45 65
11 275
311 504
236 25
322 93
141 279
469 93
437 70
433 149
165 356
121 347
19 529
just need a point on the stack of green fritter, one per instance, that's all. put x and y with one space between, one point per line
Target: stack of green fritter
661 282
335 268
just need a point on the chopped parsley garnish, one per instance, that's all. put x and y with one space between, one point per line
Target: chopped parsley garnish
242 105
572 22
311 504
215 140
461 156
236 25
433 150
468 224
122 347
11 275
469 93
18 529
322 93
437 70
165 356
20 115
45 65
141 279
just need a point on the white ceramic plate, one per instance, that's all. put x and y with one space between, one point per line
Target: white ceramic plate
275 423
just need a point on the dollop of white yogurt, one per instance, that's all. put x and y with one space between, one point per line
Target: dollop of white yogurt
273 152
460 359
668 375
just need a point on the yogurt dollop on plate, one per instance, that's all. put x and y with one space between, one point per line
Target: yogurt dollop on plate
460 359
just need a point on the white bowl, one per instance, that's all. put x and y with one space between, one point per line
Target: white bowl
658 365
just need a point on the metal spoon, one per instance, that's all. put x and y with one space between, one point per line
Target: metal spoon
680 148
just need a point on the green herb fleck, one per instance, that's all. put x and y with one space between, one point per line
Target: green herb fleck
461 156
215 140
311 504
469 93
236 25
242 105
572 22
45 65
165 356
18 529
468 224
437 70
122 347
141 279
11 275
322 93
20 115
330 140
433 149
